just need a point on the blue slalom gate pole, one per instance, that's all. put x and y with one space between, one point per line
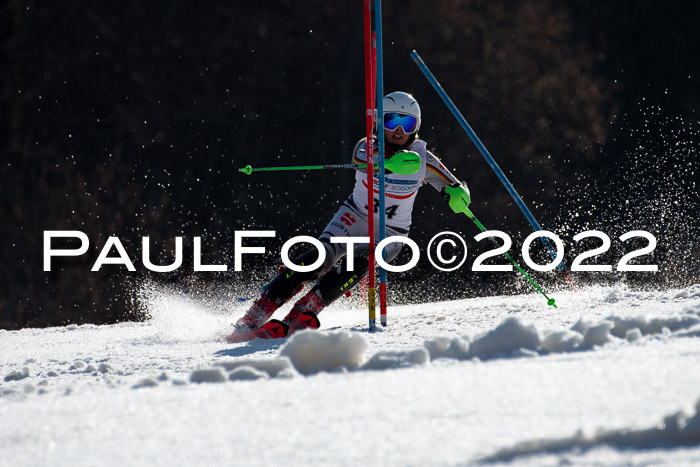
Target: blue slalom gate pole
484 152
380 138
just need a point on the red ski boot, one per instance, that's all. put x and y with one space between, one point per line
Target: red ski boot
273 329
259 312
306 320
303 314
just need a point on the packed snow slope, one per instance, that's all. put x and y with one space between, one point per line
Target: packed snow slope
611 377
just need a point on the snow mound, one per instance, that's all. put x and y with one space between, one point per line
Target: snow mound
509 336
653 326
691 292
314 351
396 359
597 335
18 375
678 429
561 341
514 338
445 347
208 375
272 367
633 335
247 373
694 332
145 383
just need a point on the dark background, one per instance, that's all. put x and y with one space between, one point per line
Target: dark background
131 118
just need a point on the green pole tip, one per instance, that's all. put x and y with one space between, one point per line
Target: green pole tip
550 302
246 170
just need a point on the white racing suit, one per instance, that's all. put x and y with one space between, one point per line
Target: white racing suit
351 221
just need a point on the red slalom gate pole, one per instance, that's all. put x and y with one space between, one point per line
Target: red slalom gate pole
369 122
381 151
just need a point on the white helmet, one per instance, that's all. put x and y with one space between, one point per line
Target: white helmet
403 103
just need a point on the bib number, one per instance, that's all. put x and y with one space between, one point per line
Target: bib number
389 210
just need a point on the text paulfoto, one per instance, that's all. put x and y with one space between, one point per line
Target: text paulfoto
443 252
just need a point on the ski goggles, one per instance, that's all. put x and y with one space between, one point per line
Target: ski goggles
393 120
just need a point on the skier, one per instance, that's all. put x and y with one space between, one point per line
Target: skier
401 121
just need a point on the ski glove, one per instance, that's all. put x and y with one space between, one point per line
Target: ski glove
457 196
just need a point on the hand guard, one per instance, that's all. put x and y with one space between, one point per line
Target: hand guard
457 196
